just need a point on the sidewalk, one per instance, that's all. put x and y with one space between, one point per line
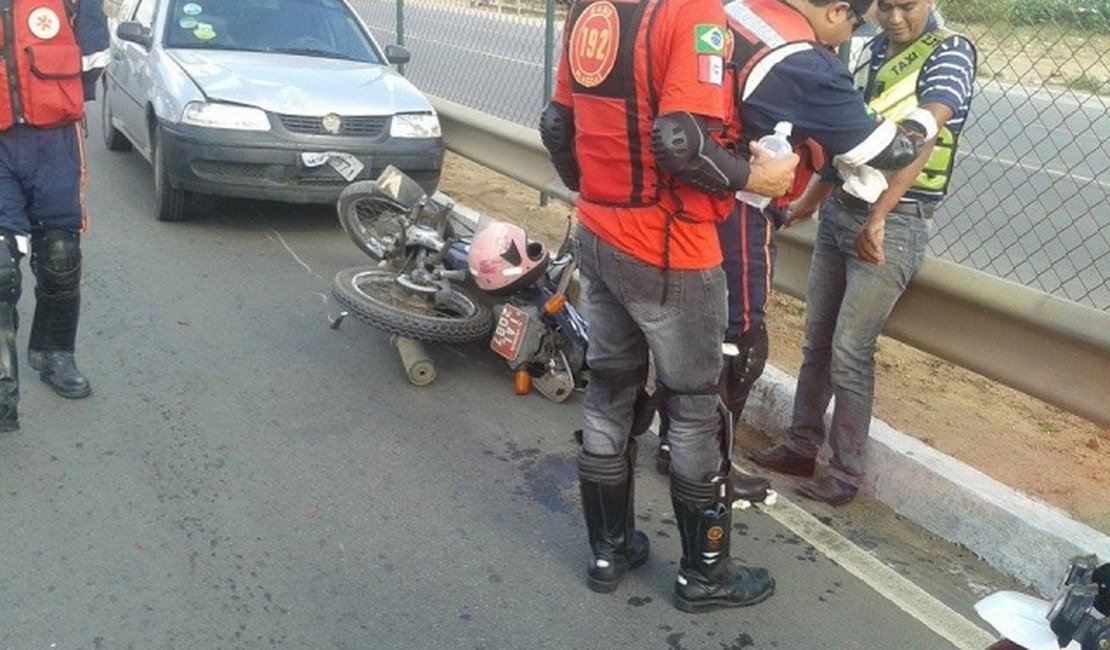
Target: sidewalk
1017 535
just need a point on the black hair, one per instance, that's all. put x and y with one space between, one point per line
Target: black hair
861 7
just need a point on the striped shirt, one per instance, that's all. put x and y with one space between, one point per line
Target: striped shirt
947 77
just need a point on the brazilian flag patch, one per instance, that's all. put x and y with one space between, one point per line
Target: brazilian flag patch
709 39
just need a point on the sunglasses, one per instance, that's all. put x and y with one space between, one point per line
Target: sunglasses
859 20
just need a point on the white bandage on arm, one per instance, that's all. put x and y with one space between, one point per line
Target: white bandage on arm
925 118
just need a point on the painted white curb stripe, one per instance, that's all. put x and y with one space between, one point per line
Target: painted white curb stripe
910 598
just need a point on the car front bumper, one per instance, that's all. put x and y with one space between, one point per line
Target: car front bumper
268 165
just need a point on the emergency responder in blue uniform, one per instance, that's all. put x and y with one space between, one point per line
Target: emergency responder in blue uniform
788 72
53 53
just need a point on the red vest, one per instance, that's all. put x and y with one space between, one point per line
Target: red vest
763 31
42 66
618 169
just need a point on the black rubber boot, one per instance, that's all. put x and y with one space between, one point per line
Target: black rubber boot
707 576
56 261
606 484
9 369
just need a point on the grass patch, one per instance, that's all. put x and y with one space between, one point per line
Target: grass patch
1085 15
1086 84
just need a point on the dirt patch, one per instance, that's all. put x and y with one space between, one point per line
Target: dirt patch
1044 452
1041 56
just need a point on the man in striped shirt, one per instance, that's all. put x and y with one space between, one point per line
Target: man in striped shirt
867 251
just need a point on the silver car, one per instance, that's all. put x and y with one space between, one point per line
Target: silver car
286 100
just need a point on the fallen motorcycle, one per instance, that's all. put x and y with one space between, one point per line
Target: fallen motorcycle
430 283
1077 619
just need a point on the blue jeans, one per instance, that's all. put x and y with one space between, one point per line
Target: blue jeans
633 307
847 303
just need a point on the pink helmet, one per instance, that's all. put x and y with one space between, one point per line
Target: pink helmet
502 259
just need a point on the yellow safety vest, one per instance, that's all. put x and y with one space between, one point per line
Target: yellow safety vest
893 94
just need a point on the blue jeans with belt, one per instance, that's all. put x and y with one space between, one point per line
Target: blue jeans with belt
633 307
847 303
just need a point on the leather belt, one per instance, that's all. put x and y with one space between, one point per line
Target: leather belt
912 209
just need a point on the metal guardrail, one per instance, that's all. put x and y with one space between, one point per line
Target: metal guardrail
1055 350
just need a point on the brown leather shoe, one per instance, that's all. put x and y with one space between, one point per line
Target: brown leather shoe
784 459
831 490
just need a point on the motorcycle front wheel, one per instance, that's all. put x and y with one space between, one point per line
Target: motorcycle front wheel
373 220
375 297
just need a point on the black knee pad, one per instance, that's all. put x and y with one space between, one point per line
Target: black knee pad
610 470
702 492
56 261
646 406
742 370
11 278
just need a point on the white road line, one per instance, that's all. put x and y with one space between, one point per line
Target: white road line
299 260
1033 168
470 50
910 598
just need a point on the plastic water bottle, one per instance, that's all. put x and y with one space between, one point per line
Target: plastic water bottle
778 145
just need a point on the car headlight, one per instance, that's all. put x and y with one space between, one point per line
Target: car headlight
225 116
414 125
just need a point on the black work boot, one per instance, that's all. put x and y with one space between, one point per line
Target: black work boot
59 370
9 369
606 484
750 490
707 576
56 261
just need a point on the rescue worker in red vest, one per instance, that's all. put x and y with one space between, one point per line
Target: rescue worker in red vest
787 71
636 128
53 52
869 247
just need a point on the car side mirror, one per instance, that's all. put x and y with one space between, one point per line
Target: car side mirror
134 33
397 54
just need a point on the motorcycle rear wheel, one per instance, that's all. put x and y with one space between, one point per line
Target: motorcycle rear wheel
374 296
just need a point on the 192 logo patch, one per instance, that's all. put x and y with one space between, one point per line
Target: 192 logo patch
593 44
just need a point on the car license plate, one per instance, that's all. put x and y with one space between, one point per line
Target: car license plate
347 165
508 336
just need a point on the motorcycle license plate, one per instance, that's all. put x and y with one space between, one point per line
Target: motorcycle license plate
508 336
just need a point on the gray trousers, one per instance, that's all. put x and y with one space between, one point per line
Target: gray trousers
680 317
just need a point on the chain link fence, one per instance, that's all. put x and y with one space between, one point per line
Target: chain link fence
1028 201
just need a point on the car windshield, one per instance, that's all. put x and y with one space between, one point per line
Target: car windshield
323 28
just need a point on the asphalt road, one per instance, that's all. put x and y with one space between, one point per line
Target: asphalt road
1030 193
245 477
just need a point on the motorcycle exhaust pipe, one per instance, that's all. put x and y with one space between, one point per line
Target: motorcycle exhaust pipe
418 365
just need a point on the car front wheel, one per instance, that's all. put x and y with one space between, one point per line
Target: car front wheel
170 204
113 139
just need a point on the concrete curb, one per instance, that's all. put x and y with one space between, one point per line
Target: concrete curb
1018 535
